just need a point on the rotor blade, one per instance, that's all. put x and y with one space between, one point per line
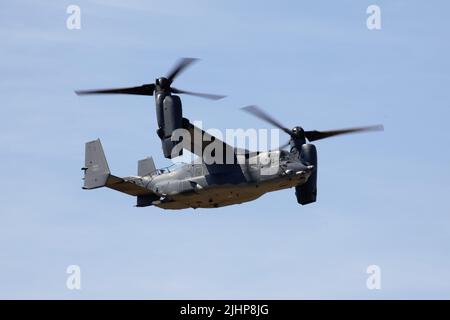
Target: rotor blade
259 113
284 145
179 67
144 90
317 135
197 94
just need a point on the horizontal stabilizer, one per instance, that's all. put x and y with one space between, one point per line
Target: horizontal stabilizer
126 186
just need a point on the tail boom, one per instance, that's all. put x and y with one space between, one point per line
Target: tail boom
97 173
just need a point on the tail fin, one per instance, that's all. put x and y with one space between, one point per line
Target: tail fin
146 167
96 170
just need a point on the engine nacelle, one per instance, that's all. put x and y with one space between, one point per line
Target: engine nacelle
307 192
169 113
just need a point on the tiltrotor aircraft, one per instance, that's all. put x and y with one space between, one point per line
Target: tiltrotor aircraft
227 176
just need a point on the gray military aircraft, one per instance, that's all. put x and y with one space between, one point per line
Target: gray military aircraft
222 177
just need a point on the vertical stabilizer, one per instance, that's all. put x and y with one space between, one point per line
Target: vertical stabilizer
146 167
96 170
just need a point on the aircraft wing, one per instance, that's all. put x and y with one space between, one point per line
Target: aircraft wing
200 143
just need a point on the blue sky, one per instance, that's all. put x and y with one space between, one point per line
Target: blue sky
383 198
